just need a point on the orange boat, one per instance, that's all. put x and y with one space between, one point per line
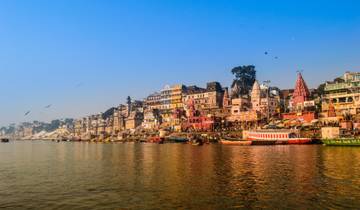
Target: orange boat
155 139
235 142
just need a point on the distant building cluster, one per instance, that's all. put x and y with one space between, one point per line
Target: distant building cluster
180 108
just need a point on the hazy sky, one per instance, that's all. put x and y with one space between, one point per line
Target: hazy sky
86 56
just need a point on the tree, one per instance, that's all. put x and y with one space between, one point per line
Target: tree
321 89
339 80
128 100
108 113
245 77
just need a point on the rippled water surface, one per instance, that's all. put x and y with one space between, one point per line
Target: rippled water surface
67 175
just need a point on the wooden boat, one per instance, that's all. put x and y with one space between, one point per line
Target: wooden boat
276 137
197 143
177 139
341 142
155 139
235 142
5 140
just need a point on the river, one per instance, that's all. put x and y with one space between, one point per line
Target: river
66 175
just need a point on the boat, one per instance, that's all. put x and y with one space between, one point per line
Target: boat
235 142
5 140
177 139
197 142
275 137
341 142
155 139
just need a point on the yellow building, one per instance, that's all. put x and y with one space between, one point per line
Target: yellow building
176 96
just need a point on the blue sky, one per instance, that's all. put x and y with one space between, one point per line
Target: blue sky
86 56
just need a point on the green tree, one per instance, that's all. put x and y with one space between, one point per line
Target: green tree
321 89
128 100
245 77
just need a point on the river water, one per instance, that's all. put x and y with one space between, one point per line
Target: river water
39 175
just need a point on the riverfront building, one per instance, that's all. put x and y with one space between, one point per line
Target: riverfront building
206 99
169 108
342 95
153 101
176 95
166 101
261 104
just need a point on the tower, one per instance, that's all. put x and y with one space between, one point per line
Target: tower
226 98
301 93
256 96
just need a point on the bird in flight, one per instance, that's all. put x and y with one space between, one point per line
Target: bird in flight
79 85
28 112
48 106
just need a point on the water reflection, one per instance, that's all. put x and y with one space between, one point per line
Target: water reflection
138 176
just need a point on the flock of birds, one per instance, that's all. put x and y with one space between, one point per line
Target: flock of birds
267 53
50 105
80 84
46 107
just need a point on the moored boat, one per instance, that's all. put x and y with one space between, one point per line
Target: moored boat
177 139
5 140
196 140
275 137
155 139
341 142
235 142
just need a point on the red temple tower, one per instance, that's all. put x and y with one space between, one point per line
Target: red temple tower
301 92
300 111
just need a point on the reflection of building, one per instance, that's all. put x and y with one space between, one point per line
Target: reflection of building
342 95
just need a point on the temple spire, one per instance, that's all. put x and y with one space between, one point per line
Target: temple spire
301 91
226 98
